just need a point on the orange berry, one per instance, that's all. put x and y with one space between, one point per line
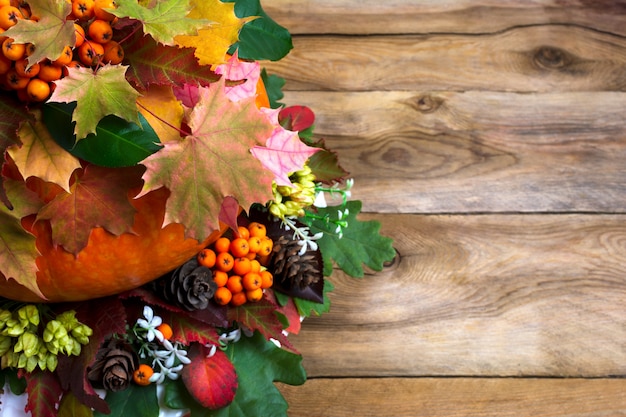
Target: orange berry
83 9
267 279
49 72
220 278
254 295
12 50
14 81
166 330
207 258
242 266
65 57
224 261
113 53
266 247
142 374
243 232
9 16
23 70
30 48
238 299
222 244
5 64
254 244
80 35
22 95
255 266
239 247
100 31
90 53
257 229
252 281
234 284
99 11
38 89
222 296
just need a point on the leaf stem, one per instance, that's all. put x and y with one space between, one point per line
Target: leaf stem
179 130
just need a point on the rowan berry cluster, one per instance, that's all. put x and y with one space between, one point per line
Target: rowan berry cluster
25 342
238 265
34 81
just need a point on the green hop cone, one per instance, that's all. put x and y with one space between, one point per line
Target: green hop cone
29 313
28 343
15 327
68 320
81 333
5 315
5 344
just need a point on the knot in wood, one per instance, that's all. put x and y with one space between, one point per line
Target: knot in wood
549 57
428 103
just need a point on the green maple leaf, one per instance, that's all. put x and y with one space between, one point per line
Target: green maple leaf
211 163
97 94
164 21
17 247
361 242
259 363
50 34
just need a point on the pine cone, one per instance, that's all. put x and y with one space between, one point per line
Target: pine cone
292 269
114 365
190 286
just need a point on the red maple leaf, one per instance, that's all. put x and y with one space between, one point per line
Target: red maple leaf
212 162
98 198
44 393
211 380
261 316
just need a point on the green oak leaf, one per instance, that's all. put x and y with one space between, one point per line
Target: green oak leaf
164 21
50 34
97 94
361 242
307 308
133 401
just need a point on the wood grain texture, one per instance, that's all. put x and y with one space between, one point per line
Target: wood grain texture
447 152
503 295
441 16
491 397
523 59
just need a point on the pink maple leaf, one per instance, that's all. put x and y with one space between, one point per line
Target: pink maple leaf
284 152
236 70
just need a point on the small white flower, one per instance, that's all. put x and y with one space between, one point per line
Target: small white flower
150 322
171 373
320 200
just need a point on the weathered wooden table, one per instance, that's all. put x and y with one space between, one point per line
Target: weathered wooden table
489 138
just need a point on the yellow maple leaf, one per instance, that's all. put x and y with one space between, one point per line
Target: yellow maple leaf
162 110
213 42
40 155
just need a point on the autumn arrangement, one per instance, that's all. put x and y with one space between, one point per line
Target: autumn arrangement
166 221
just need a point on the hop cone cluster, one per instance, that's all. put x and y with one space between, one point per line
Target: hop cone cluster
26 342
291 201
190 286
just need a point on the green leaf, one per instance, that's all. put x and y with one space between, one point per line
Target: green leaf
261 38
164 21
259 363
97 94
274 88
134 401
307 308
116 143
361 242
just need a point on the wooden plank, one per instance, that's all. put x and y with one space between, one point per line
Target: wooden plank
441 16
450 397
522 59
477 151
505 295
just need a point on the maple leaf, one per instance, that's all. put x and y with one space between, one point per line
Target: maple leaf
97 198
261 316
187 330
14 113
163 21
288 309
44 393
50 34
211 163
234 69
97 94
17 247
212 379
213 42
162 110
284 152
153 63
40 155
71 407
